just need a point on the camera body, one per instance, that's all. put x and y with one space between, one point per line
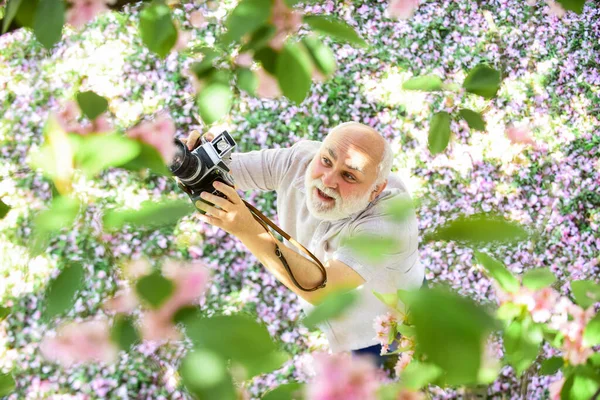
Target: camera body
197 170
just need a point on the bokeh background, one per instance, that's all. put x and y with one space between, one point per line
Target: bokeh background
552 87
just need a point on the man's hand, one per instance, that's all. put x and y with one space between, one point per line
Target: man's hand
233 216
193 139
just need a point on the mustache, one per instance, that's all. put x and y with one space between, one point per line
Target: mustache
329 192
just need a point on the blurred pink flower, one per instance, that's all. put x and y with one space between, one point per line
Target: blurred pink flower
68 119
403 361
574 350
244 60
197 19
555 8
544 302
402 9
190 284
183 37
406 394
159 134
124 302
555 388
83 11
76 342
520 134
340 377
135 269
286 22
383 325
267 85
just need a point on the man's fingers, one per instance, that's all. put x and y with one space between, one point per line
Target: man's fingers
192 140
227 191
209 136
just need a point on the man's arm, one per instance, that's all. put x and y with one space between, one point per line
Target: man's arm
306 272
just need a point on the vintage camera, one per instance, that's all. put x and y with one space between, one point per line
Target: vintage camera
196 170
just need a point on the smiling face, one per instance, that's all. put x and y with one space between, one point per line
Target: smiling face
341 178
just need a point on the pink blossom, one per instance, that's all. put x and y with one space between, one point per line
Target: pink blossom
267 85
197 19
555 388
555 8
244 60
406 394
137 268
521 135
340 377
402 9
159 134
68 119
286 22
76 342
183 37
403 361
83 11
544 302
190 283
383 325
124 302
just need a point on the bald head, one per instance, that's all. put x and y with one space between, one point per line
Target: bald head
367 142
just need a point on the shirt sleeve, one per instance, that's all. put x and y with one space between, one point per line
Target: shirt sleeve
260 169
399 258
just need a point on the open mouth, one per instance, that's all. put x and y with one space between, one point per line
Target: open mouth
323 197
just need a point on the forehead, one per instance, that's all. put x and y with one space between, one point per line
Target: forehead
355 153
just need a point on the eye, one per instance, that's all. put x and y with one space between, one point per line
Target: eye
325 161
350 176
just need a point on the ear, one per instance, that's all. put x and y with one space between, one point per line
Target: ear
378 189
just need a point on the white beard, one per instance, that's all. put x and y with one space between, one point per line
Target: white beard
329 211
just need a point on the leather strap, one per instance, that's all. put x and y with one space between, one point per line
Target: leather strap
266 223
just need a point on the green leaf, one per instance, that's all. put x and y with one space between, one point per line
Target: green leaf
581 384
538 278
586 293
334 305
26 13
11 11
509 311
246 17
321 55
150 214
148 157
99 152
267 57
247 80
572 5
91 104
453 336
4 311
591 334
417 375
372 247
439 132
55 157
154 289
238 338
406 330
289 391
427 83
7 384
294 72
268 362
498 272
522 343
214 102
61 214
474 119
399 208
124 333
260 38
4 209
551 365
335 28
483 81
479 229
389 299
60 296
158 31
204 373
48 22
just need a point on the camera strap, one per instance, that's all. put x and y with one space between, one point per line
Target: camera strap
266 223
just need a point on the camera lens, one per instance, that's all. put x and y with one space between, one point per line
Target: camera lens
185 165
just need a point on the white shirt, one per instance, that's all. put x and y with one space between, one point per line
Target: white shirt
283 170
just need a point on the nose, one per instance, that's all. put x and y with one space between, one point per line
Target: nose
329 180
